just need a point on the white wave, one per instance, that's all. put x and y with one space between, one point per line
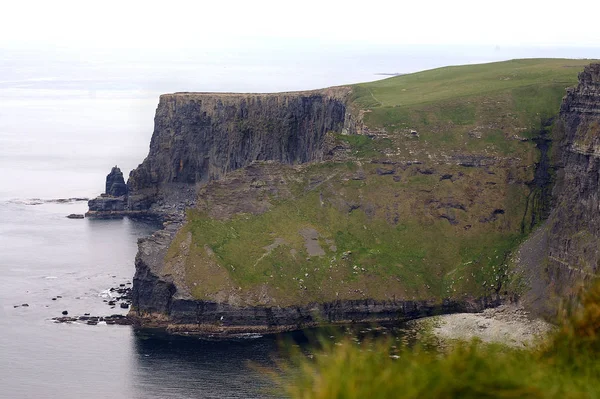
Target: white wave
250 336
105 294
40 201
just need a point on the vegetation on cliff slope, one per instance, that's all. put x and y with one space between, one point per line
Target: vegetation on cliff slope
427 204
564 366
516 93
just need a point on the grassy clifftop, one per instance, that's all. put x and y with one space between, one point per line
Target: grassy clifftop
425 204
446 88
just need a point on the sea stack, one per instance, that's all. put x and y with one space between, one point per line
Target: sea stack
115 184
113 202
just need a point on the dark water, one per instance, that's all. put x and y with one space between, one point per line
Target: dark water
42 255
64 123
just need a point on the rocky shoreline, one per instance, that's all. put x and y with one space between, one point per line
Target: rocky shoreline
219 320
117 319
121 298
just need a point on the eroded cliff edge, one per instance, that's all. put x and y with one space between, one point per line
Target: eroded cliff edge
563 255
199 137
211 272
185 286
286 210
199 140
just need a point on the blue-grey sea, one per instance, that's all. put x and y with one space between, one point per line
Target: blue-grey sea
66 118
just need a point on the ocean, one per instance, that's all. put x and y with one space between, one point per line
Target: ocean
66 118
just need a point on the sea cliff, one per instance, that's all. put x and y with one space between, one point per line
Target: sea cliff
283 211
160 300
564 254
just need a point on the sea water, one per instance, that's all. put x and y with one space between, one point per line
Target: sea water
67 118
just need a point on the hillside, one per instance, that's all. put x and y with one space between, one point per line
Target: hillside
427 216
422 195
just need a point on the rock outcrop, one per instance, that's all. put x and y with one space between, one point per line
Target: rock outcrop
275 142
113 202
199 137
564 253
115 184
159 301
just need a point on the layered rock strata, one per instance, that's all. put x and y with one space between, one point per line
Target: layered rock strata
199 137
203 137
564 254
113 202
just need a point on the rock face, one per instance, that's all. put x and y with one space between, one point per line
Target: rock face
565 252
199 137
113 202
234 156
159 302
115 184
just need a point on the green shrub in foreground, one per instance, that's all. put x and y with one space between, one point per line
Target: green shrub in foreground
563 366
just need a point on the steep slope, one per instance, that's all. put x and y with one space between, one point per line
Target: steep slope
564 254
199 137
399 198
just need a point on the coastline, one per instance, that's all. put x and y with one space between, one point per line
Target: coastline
223 321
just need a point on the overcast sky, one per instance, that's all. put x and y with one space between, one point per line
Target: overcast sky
90 71
218 24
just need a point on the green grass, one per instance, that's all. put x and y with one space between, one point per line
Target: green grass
390 246
364 146
438 85
563 366
413 232
445 104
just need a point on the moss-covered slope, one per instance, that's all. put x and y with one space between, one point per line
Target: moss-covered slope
422 196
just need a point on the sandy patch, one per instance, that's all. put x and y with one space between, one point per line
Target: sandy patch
507 324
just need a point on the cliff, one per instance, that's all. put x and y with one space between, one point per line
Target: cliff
161 299
199 137
564 254
379 202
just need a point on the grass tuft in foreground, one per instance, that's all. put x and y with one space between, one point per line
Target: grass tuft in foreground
564 366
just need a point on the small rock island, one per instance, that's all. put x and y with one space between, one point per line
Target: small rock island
113 202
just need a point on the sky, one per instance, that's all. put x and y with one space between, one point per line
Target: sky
79 72
224 24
